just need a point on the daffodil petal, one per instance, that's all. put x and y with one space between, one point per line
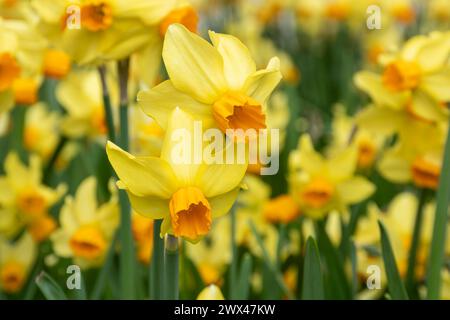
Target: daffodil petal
143 176
221 204
194 65
149 11
261 84
150 207
179 146
437 85
343 165
394 167
371 83
434 54
238 63
374 118
426 107
86 200
160 101
355 189
60 241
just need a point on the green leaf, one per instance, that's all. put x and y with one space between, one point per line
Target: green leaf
335 279
49 288
436 257
312 273
395 284
244 278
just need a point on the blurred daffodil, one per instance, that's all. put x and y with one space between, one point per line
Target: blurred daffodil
142 228
320 184
16 261
211 292
86 228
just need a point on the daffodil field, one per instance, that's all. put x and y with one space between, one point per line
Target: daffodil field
228 149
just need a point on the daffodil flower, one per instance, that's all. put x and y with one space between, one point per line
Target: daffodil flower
321 185
24 199
16 261
86 228
218 84
415 80
186 195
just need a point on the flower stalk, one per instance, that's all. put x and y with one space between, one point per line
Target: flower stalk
171 253
157 263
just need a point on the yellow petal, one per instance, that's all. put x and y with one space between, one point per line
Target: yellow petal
343 165
371 83
160 101
434 53
426 107
212 292
86 200
238 63
143 176
221 205
60 240
148 206
261 84
194 66
179 147
380 119
355 189
437 85
309 160
149 11
394 167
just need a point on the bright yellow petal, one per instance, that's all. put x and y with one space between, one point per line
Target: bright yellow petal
194 65
426 107
221 205
380 119
160 101
343 164
355 190
437 85
435 53
238 63
143 176
261 84
149 11
61 246
86 200
394 167
179 147
150 207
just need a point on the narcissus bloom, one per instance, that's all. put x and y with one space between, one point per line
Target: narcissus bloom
216 83
211 292
142 229
24 199
321 185
186 195
415 80
86 228
16 261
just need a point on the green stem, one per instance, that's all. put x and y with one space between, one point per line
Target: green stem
171 268
410 274
127 254
157 263
51 163
107 105
436 257
234 258
106 269
18 127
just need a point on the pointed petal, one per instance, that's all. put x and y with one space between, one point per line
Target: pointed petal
261 84
221 205
355 190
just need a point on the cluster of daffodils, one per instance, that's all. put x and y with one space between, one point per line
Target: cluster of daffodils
215 149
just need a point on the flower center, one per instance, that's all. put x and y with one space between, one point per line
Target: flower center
190 213
186 16
98 120
281 209
31 136
25 91
235 110
404 13
209 273
96 16
88 242
56 64
317 193
337 10
9 70
366 153
401 75
12 276
32 204
425 173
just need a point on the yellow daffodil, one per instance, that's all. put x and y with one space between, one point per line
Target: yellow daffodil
439 11
24 200
16 261
86 228
143 235
415 80
41 130
56 64
320 185
80 94
217 83
146 135
211 292
346 132
185 194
